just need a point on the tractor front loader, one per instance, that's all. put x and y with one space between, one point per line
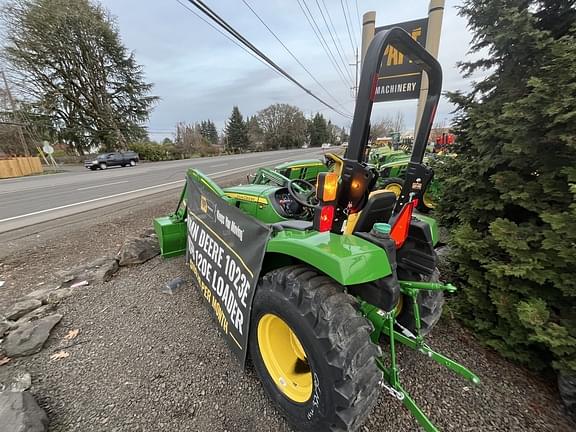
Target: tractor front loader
318 283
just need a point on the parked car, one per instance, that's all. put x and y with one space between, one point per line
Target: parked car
326 145
105 160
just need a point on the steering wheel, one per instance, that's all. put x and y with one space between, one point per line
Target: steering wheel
304 195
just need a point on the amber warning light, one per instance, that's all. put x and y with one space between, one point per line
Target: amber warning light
327 186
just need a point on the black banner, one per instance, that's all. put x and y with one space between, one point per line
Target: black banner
225 252
399 78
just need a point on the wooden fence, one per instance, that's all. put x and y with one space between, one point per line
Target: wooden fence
20 166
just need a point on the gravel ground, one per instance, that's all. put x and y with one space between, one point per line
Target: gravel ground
149 361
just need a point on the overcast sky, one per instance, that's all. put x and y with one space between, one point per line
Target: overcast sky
199 74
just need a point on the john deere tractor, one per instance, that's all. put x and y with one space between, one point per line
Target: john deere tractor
317 284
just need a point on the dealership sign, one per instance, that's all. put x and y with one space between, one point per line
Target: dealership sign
399 78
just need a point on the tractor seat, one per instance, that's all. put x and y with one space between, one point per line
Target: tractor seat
298 225
378 208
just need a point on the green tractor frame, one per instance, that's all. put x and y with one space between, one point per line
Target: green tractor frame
392 166
317 284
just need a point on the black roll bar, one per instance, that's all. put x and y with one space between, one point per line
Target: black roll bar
360 129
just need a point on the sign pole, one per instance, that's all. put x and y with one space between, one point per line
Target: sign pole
435 16
368 28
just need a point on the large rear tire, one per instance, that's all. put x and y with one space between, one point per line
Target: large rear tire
430 304
312 350
567 389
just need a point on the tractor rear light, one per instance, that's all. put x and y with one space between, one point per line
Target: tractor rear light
327 186
323 218
401 226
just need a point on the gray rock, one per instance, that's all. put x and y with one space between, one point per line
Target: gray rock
172 286
11 380
19 412
100 270
41 312
21 308
138 250
29 338
40 294
4 327
59 294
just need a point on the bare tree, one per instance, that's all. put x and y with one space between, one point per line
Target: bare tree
398 122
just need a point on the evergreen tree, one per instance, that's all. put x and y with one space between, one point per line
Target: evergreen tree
208 130
68 58
236 132
318 131
509 196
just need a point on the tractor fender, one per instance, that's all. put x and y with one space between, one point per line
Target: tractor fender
347 259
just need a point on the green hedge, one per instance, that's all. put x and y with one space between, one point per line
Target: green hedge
509 197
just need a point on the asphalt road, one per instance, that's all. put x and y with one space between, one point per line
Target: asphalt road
31 200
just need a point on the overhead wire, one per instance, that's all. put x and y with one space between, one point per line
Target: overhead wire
312 21
344 62
358 17
229 29
185 6
333 26
352 44
353 27
292 54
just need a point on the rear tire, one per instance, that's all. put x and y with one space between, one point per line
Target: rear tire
430 303
103 166
132 163
334 381
567 389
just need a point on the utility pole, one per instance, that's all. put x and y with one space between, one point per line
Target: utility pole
355 64
368 28
435 16
16 116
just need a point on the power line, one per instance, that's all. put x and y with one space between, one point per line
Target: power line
358 16
333 41
352 44
333 26
312 21
292 54
353 27
228 37
229 29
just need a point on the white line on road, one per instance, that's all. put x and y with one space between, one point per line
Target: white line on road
213 175
102 185
87 201
219 165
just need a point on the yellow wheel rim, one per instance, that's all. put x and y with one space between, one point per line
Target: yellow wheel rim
284 358
396 188
428 202
399 306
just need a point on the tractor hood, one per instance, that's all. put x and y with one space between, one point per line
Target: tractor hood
299 164
249 192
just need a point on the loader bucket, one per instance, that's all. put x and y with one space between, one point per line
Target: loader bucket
171 234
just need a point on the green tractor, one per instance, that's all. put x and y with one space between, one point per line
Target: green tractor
392 166
317 284
281 174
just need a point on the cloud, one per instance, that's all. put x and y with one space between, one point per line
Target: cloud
200 74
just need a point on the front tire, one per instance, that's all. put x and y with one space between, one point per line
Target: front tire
103 166
393 185
312 350
132 163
